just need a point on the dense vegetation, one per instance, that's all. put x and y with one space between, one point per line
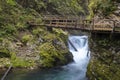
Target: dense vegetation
102 7
26 46
105 59
23 45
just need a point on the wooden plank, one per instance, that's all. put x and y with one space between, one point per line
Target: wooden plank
78 22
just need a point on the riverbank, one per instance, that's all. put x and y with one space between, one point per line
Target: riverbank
26 46
31 49
105 60
73 71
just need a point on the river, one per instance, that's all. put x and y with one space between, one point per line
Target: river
78 45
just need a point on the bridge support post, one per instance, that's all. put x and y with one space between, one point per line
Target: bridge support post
112 32
49 29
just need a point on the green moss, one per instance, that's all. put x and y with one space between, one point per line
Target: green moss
4 62
62 34
4 52
38 31
98 70
49 54
20 62
14 16
67 7
101 7
26 38
4 48
105 64
11 2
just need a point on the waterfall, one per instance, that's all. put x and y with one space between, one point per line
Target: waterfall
78 46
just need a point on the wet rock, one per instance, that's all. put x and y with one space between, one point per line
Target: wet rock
58 44
104 64
54 55
19 44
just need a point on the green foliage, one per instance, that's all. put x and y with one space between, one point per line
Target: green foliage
105 63
34 4
4 62
50 56
11 2
5 48
67 7
19 62
10 29
38 31
103 7
92 7
98 70
14 18
49 37
107 7
62 34
14 15
4 53
53 50
104 42
26 38
7 30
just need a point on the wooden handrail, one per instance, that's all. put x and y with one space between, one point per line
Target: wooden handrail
77 22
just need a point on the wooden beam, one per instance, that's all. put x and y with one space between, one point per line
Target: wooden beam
74 22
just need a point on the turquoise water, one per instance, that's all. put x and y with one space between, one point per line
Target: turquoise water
74 71
46 74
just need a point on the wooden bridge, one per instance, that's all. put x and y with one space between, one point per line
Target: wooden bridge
80 23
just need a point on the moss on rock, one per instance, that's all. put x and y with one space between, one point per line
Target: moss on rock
104 64
50 47
20 62
53 52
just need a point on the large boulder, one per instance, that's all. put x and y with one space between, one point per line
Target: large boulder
54 52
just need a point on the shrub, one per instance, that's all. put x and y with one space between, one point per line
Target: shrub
11 2
4 52
25 39
19 62
38 31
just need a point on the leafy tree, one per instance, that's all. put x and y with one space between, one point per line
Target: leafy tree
103 7
67 7
38 5
11 2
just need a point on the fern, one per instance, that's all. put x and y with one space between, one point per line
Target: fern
103 7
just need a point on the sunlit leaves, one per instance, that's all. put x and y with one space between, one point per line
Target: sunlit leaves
67 6
103 7
11 2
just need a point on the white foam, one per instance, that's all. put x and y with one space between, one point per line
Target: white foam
81 56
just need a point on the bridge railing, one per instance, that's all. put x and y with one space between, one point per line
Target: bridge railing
106 25
67 22
77 22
